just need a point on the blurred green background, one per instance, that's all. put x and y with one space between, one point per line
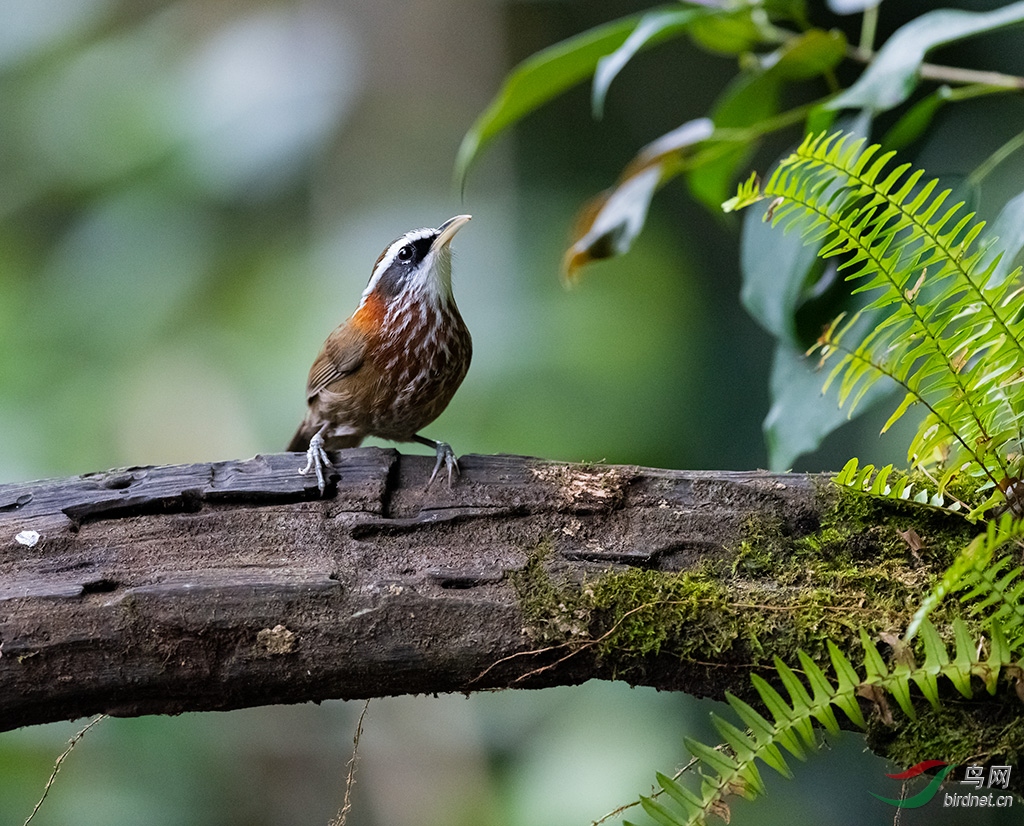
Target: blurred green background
192 194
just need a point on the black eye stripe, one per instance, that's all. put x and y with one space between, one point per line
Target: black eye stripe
421 246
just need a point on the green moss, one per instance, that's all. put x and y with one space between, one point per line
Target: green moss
774 593
958 732
777 592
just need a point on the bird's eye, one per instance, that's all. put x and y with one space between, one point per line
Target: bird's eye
405 253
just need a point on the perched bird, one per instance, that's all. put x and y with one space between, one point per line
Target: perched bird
394 365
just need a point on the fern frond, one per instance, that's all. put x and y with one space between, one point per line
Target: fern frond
747 193
732 769
946 331
889 483
996 594
973 568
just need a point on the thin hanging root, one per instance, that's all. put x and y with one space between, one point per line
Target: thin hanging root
350 778
56 766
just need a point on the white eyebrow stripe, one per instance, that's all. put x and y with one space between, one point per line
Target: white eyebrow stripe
388 258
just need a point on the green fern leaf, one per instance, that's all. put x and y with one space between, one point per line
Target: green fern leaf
800 699
964 661
663 815
764 735
999 655
948 332
936 659
823 693
740 742
877 671
721 763
846 690
898 685
785 720
748 192
687 800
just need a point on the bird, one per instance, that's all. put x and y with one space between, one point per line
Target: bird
393 366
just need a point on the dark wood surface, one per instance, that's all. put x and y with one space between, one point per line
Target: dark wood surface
232 584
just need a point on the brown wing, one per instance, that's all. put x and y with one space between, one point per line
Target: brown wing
341 356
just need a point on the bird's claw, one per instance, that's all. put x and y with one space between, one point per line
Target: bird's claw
446 457
317 460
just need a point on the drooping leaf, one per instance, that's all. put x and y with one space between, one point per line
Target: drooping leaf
660 813
679 793
893 72
783 715
776 273
801 416
847 688
608 225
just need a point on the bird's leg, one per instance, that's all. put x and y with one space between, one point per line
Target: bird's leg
445 456
317 458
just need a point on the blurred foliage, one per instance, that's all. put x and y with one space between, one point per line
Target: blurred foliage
796 69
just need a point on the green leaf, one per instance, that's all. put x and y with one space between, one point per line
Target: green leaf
876 670
731 33
800 699
999 656
935 658
823 693
960 675
908 400
811 54
783 714
686 799
740 741
899 686
763 730
747 194
660 812
654 27
846 697
714 759
893 73
776 271
801 416
537 80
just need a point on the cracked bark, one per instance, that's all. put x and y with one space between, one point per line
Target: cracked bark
232 584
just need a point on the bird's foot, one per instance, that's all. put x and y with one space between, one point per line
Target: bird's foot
317 460
445 457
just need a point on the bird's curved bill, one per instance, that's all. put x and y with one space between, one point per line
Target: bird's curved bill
447 230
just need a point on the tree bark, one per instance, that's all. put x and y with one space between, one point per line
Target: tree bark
233 584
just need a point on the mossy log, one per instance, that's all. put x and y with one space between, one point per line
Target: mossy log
233 584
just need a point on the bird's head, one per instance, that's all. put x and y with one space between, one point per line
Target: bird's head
416 266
